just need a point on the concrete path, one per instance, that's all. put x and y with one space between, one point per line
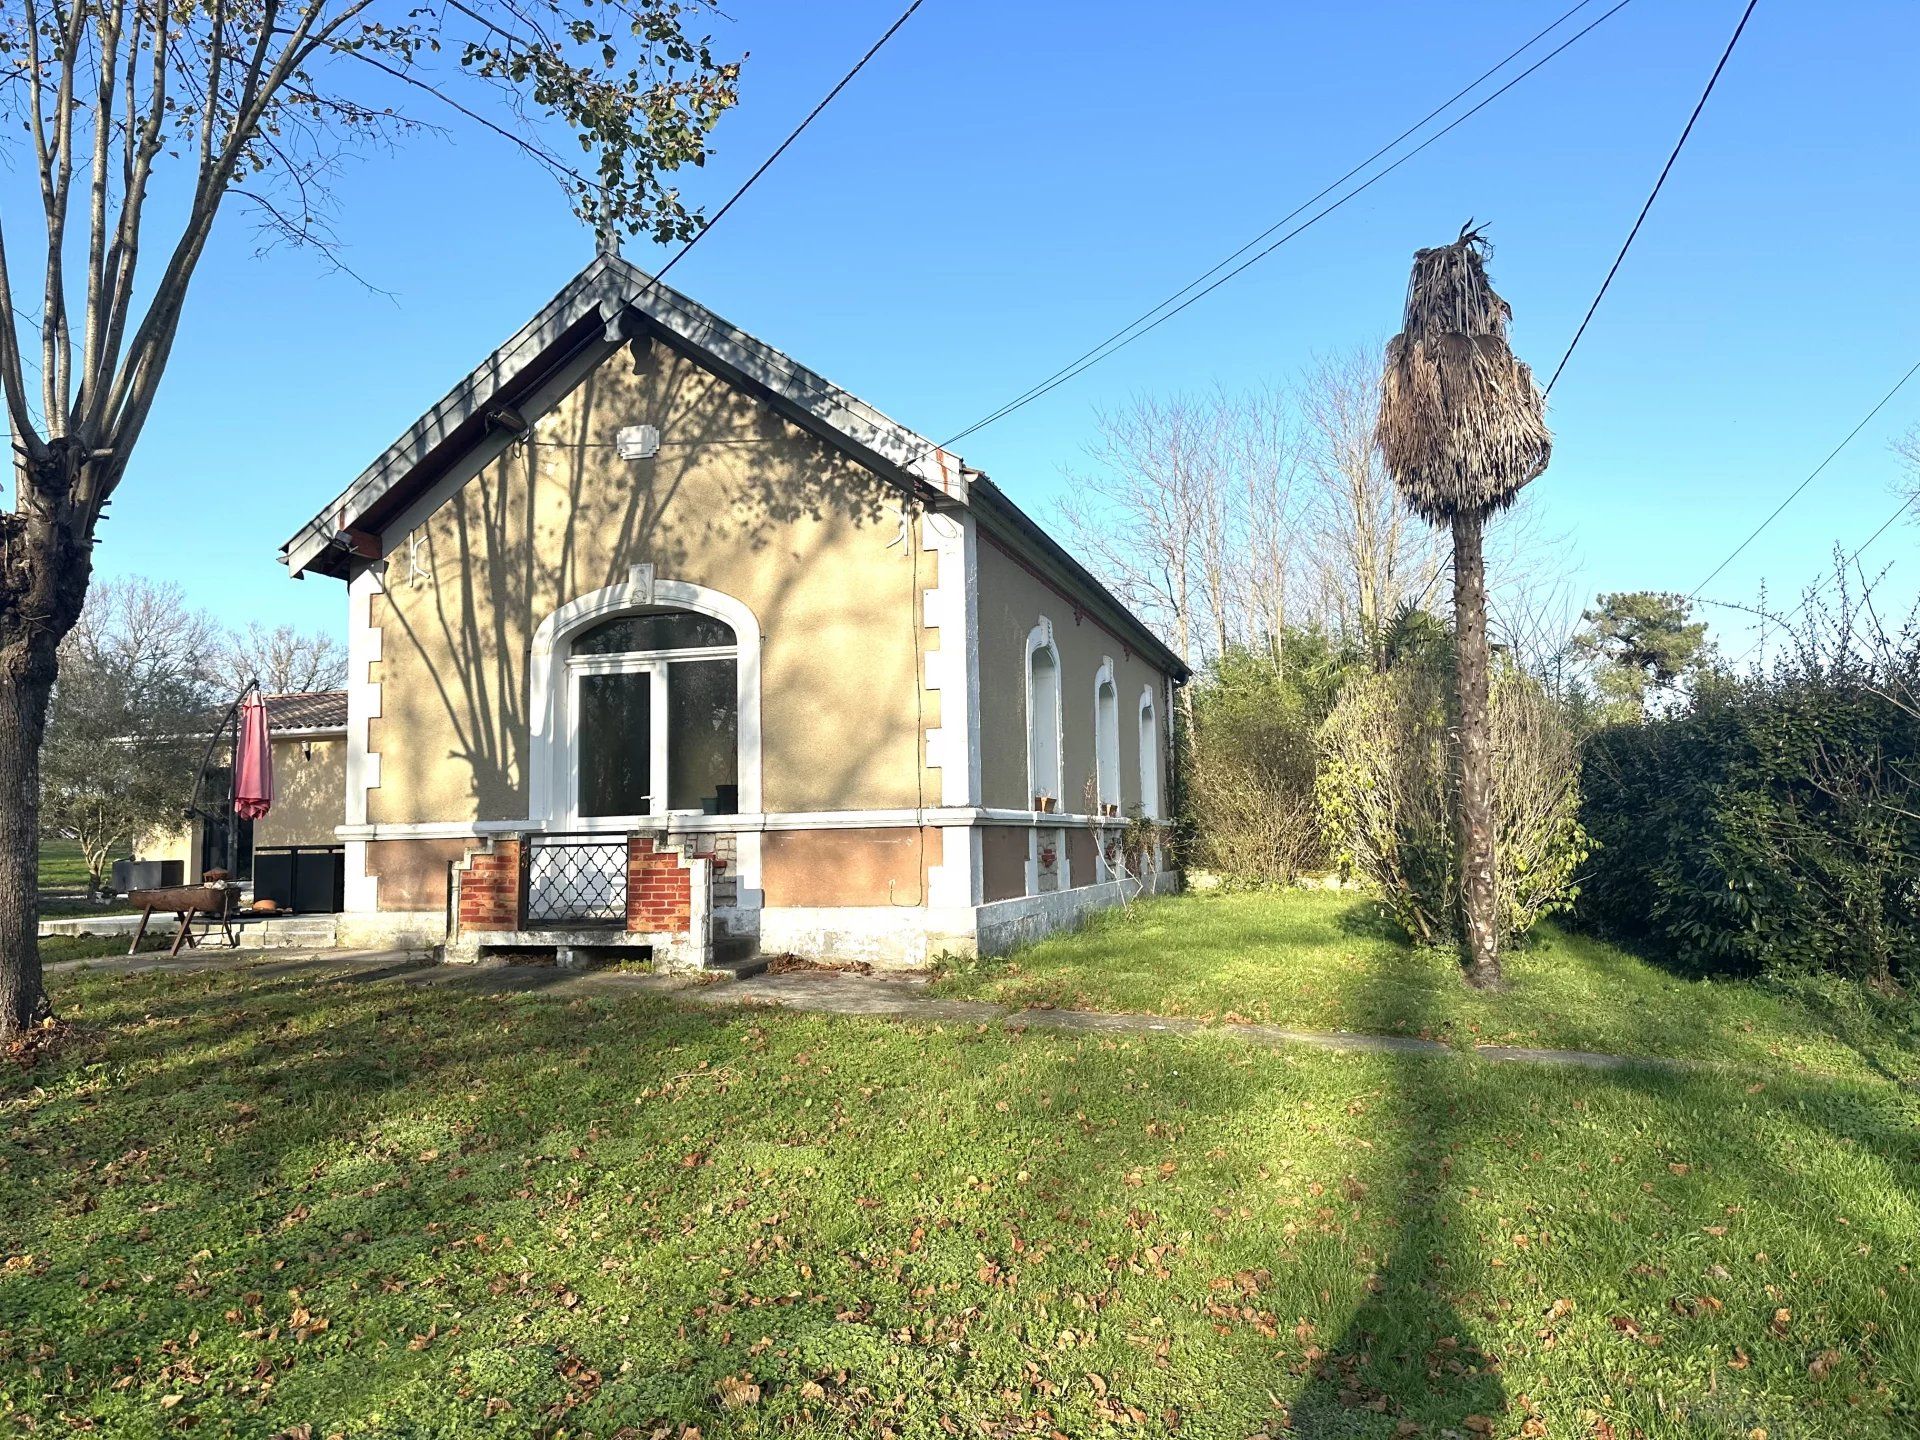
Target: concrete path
823 992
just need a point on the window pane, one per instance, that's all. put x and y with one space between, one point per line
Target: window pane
703 727
616 713
654 630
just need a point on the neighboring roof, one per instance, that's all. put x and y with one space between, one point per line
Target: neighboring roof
308 710
605 304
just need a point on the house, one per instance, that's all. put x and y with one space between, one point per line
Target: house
658 638
292 852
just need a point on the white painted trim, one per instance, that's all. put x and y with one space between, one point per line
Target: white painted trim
951 610
1107 787
1041 638
550 764
940 816
1149 755
364 649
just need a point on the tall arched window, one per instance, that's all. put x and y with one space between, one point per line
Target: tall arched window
1149 756
1043 715
1106 738
654 711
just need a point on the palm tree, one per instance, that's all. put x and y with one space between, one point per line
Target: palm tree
1462 429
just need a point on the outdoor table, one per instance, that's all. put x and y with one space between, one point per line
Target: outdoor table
188 903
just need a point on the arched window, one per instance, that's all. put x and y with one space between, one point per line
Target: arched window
1149 756
1106 739
655 719
1043 716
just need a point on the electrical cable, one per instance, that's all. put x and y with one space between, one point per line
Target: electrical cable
1319 195
1102 353
766 164
1653 194
1814 475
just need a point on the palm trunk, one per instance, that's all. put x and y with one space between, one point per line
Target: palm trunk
23 717
1478 931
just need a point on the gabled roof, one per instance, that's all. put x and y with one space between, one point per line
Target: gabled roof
605 304
307 710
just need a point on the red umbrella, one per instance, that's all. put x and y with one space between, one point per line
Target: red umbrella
253 761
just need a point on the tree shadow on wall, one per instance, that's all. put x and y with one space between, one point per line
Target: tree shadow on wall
553 519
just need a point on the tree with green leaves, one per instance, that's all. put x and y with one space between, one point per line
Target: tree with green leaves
144 125
1643 644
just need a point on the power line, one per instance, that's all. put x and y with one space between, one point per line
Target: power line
1653 194
1108 349
653 280
1321 194
1811 477
812 114
1838 570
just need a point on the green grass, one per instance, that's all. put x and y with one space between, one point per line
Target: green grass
250 1205
1330 961
62 867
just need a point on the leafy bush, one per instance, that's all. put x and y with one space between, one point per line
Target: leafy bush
1386 791
1252 761
1774 824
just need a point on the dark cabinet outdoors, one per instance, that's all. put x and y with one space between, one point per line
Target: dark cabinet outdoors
306 879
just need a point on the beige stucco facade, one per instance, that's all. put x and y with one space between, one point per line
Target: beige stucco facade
309 793
310 785
1014 599
744 503
882 621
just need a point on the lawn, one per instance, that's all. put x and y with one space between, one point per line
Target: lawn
62 867
255 1206
1330 961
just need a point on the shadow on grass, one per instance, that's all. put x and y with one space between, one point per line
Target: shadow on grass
1407 1350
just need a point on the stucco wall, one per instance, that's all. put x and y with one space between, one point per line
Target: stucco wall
309 794
1012 600
1003 854
848 867
413 873
737 500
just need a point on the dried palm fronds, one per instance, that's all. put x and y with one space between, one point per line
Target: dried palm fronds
1462 427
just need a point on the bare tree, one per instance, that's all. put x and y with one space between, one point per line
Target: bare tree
1533 594
137 674
1190 514
258 101
1371 555
285 660
1141 514
1267 465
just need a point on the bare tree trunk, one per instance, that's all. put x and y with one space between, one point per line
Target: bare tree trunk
43 581
1478 933
23 718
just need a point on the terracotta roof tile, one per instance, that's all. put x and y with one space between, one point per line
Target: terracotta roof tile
308 710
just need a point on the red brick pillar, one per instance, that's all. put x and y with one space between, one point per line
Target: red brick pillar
659 889
490 888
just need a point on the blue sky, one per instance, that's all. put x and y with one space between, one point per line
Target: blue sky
1008 182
